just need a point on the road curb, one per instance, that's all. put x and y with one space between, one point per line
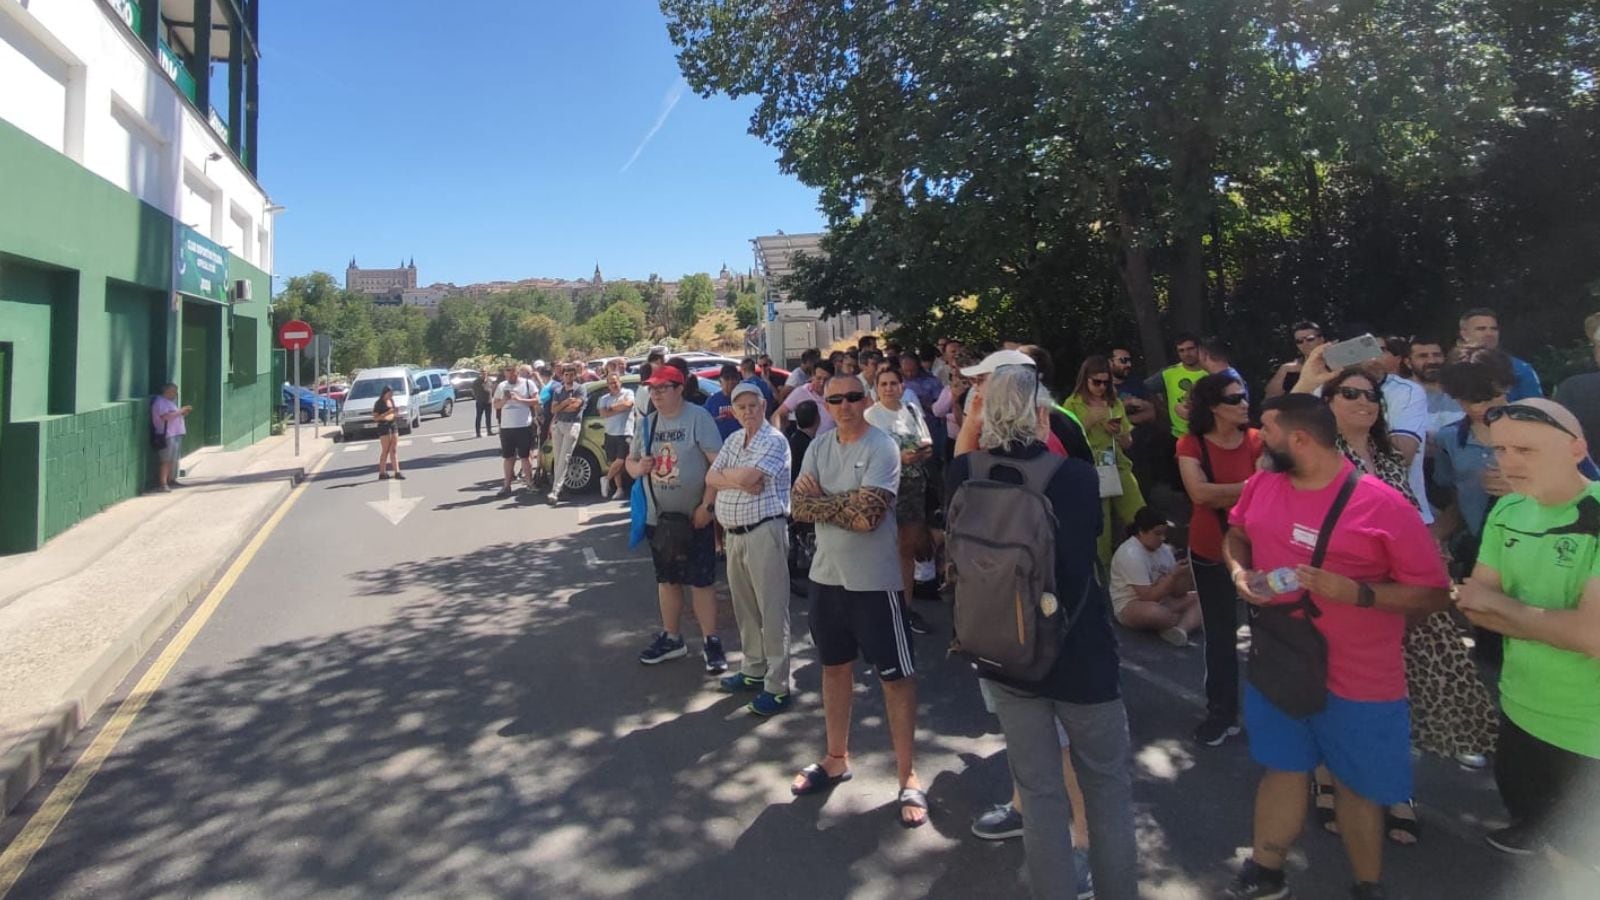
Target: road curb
24 764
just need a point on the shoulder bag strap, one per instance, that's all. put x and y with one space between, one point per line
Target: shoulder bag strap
649 440
1326 533
1211 476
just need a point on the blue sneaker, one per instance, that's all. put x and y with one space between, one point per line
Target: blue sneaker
767 704
663 648
716 660
738 683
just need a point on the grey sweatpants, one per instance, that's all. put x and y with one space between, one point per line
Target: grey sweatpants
1100 753
564 440
758 579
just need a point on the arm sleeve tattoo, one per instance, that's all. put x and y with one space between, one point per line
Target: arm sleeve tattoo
862 509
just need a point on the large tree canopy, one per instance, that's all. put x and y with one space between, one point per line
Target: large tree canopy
1070 169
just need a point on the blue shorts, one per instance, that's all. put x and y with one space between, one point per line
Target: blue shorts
1366 745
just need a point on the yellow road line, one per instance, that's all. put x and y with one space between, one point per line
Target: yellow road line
14 861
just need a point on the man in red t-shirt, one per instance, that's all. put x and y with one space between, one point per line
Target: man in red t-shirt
1381 565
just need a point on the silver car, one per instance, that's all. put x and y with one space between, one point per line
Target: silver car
365 390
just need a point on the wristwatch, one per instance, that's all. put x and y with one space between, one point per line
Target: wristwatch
1364 595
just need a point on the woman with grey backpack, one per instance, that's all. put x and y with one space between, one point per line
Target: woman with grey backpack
1043 639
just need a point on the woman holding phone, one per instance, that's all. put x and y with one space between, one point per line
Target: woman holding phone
1105 424
905 423
384 413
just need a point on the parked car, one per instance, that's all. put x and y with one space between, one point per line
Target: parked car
780 375
357 419
461 380
311 406
435 392
334 392
588 461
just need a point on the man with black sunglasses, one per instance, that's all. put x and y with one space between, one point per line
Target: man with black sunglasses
1537 581
1307 337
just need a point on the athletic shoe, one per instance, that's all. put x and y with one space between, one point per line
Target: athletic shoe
554 498
1215 730
1257 883
607 489
1516 840
663 648
739 682
716 660
1080 863
998 823
916 622
1175 636
766 704
1472 760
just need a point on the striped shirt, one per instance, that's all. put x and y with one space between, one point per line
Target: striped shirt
768 451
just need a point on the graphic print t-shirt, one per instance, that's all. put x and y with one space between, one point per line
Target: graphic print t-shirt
679 445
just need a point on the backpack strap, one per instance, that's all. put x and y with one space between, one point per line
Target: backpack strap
1326 534
1036 472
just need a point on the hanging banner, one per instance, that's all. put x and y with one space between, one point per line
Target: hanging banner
202 266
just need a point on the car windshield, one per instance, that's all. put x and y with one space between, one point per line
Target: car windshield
372 387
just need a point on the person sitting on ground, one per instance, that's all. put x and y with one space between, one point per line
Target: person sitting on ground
1150 589
1082 692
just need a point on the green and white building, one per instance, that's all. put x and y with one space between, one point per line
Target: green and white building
135 246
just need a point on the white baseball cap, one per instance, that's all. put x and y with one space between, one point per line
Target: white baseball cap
742 388
997 359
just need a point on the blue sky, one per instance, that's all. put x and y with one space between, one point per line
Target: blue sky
491 140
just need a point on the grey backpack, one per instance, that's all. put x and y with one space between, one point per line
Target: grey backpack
1001 539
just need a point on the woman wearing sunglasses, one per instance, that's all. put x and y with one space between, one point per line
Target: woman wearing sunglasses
1100 411
909 429
1451 711
1220 452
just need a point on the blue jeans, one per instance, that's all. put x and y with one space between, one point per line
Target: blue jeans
1101 754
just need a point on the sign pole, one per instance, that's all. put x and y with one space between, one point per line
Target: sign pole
297 403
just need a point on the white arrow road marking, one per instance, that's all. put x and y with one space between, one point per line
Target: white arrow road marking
594 561
395 507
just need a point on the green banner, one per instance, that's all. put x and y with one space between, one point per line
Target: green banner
202 266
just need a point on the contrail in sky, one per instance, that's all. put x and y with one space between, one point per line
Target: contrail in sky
668 104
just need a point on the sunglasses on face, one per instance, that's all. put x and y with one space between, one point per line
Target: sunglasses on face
1355 393
1516 412
1100 381
852 397
1308 340
1232 399
1122 360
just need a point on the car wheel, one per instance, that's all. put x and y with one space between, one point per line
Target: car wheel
306 416
405 427
583 472
449 406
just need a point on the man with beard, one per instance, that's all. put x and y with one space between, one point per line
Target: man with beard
1426 360
1378 566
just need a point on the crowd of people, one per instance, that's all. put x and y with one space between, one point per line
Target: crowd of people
1414 537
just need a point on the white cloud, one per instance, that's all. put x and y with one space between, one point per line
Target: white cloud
668 104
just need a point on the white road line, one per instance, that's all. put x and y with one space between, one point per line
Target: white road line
444 439
352 448
595 562
587 514
404 443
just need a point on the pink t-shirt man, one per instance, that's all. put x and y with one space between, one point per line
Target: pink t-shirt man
1380 539
800 395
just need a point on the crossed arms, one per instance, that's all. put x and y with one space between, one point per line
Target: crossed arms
862 509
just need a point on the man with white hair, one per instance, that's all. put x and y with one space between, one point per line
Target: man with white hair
1537 581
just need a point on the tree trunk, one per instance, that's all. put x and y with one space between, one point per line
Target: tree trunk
1138 277
1186 296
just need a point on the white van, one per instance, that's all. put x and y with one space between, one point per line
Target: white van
364 391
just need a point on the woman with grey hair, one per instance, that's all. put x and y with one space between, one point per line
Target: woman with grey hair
1082 691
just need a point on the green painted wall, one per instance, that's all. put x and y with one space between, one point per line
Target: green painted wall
85 309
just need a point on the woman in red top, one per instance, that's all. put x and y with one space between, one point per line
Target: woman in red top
1220 452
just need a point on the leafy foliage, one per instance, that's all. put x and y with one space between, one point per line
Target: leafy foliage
696 297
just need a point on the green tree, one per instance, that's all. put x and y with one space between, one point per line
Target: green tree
746 309
696 297
461 328
658 314
401 333
619 326
623 292
315 299
355 341
538 337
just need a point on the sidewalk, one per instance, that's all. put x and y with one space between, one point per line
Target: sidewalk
78 614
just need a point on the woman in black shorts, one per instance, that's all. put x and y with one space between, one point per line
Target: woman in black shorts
384 413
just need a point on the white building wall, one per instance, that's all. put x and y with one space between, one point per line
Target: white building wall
75 78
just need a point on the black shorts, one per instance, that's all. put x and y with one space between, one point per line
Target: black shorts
516 443
616 447
698 570
385 429
846 624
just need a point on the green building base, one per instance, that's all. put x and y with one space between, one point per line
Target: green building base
90 329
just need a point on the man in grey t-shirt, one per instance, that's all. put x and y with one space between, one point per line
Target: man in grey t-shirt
847 486
674 447
567 399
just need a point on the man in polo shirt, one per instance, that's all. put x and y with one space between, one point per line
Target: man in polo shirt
1481 328
751 476
1537 582
847 487
1381 565
566 418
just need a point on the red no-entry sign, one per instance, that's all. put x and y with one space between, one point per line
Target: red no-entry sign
294 335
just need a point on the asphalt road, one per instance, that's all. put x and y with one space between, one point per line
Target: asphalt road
450 706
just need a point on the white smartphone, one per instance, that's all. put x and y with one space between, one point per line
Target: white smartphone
1352 352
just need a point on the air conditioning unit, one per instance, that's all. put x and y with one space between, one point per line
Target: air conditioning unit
241 291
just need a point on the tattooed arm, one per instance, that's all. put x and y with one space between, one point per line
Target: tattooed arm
862 509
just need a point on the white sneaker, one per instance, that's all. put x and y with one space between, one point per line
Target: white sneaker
1175 636
607 488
